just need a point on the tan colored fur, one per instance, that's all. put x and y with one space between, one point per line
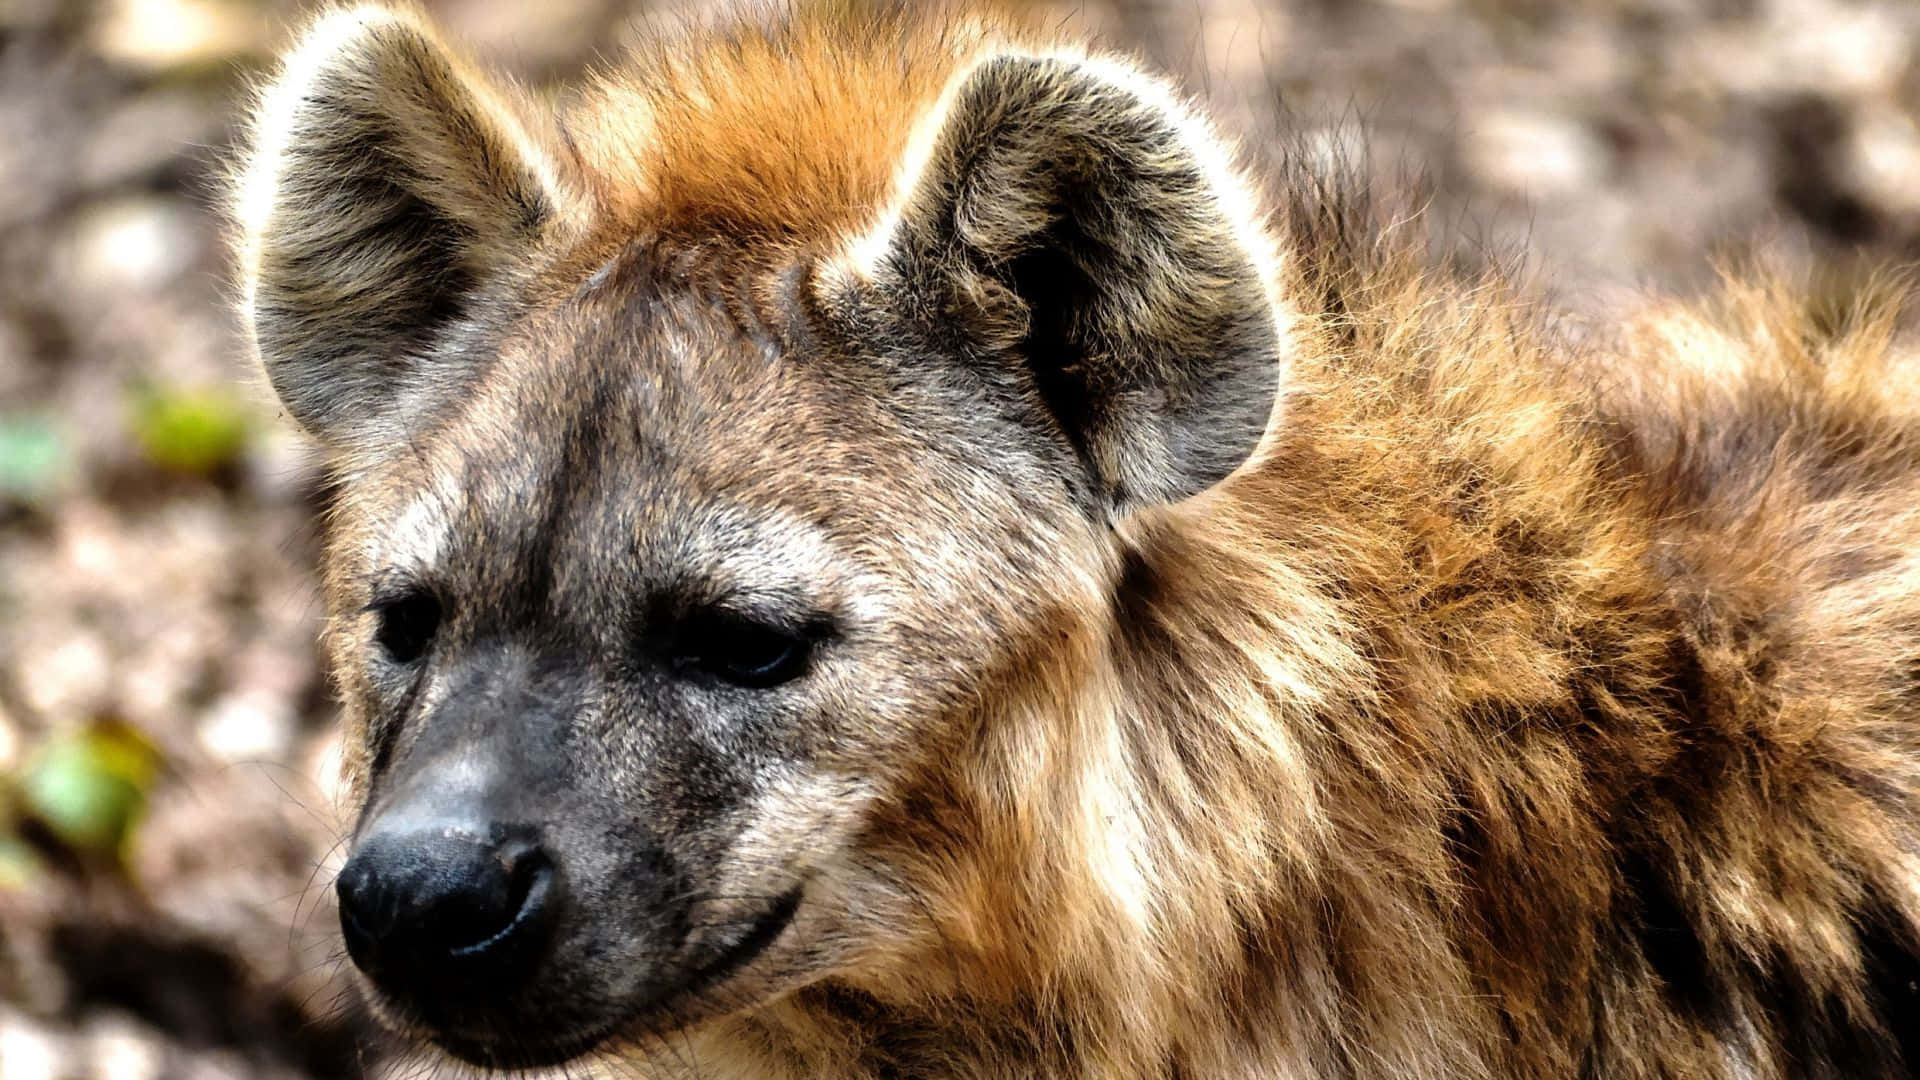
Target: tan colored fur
682 135
1369 760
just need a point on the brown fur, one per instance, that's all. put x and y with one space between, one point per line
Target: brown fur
680 136
1518 709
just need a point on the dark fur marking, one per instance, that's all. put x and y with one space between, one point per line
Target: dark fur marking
1890 949
1054 288
1823 1032
1662 929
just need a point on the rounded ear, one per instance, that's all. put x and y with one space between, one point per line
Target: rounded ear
385 183
1151 333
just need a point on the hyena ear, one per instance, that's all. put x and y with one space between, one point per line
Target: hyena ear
1146 318
386 184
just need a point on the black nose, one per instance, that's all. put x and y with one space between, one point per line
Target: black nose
437 912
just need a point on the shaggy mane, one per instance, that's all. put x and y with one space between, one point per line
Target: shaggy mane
792 126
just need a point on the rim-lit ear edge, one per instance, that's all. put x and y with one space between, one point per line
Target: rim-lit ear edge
384 180
1221 205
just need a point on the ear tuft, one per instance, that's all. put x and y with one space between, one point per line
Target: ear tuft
385 184
1152 334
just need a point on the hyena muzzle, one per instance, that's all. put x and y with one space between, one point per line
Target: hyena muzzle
867 545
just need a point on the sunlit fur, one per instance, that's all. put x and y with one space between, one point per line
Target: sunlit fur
385 176
1521 709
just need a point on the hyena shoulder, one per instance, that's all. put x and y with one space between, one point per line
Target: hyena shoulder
920 557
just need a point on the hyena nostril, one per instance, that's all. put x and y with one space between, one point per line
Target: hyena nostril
524 868
437 911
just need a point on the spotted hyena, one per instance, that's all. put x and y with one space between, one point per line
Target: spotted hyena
874 544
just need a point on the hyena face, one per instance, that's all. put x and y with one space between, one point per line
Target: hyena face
666 562
636 633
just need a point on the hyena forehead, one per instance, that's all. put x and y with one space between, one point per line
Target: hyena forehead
415 541
713 547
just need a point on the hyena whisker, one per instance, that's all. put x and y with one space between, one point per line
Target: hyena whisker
268 768
296 924
341 1002
740 898
684 1055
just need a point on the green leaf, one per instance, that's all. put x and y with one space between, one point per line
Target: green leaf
195 431
90 787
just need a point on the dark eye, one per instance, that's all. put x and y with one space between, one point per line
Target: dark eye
744 652
408 622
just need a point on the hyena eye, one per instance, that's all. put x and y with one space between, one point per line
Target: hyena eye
742 651
408 622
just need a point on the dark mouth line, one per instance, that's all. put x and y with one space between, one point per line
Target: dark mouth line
520 1058
761 934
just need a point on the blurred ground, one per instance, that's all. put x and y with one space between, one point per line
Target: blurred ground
157 613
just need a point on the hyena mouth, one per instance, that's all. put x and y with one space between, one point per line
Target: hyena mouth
686 999
760 933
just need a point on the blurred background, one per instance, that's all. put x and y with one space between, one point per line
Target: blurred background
168 813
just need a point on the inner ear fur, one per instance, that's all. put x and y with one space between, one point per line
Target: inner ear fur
386 182
1146 317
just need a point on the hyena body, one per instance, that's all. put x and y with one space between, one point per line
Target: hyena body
863 549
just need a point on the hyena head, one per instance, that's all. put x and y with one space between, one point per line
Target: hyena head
675 555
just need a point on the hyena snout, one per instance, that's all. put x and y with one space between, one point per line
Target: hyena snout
440 907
